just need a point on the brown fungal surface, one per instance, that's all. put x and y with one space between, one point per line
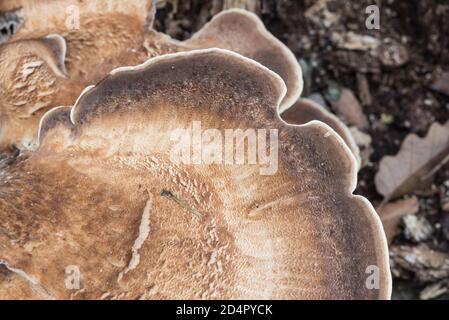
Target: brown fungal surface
33 74
243 32
108 39
306 110
101 193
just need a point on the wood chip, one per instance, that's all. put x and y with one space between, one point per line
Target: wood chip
420 263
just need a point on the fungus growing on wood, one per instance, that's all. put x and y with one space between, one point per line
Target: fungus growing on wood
103 197
103 44
305 110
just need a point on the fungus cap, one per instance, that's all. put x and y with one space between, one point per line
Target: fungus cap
108 198
306 110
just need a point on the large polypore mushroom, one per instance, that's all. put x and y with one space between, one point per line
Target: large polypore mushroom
105 40
103 194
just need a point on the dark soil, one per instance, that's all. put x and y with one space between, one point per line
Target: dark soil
400 99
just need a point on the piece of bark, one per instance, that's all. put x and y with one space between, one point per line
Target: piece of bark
363 89
420 263
354 61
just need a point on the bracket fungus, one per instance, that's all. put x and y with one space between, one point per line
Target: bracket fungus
306 110
104 42
102 193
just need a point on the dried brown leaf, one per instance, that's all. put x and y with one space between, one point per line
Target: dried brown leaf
392 213
349 109
417 160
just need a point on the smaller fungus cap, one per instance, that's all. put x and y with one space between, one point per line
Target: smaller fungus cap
32 71
306 110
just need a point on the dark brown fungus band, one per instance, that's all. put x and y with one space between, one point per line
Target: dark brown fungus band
243 32
306 110
105 197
